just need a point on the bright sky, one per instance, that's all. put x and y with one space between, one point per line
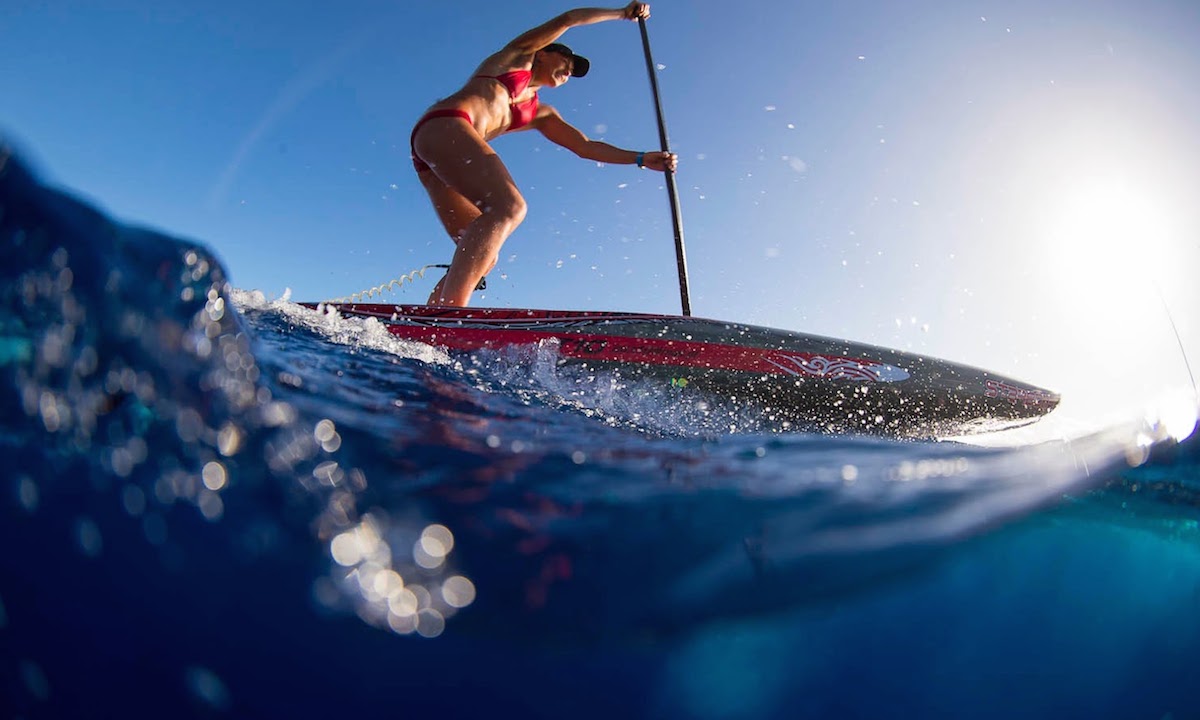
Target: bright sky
1007 184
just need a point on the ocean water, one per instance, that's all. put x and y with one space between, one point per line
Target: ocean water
215 504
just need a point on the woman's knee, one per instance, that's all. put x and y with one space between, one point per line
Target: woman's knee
508 206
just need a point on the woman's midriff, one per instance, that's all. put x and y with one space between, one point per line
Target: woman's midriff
470 106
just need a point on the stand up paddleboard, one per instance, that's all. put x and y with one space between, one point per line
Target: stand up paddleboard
804 382
807 382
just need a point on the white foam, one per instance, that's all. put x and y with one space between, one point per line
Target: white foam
367 333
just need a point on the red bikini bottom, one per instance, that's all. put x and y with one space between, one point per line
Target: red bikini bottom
418 163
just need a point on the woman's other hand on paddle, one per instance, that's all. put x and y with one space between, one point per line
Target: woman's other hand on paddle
637 11
661 161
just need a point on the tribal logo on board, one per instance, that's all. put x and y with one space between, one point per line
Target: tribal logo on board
837 368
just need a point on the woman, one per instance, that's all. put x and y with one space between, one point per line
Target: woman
475 197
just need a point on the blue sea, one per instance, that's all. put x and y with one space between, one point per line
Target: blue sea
215 504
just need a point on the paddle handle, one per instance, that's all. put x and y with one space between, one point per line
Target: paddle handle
672 191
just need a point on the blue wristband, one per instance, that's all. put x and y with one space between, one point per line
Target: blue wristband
640 158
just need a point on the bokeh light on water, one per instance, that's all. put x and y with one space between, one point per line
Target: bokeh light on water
154 387
407 592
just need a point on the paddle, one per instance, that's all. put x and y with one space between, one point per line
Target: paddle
672 192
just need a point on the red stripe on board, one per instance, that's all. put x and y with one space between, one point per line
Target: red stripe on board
491 315
645 351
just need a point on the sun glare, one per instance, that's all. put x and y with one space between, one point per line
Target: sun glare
1106 241
1109 246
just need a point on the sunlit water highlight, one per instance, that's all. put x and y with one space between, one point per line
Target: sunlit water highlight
219 503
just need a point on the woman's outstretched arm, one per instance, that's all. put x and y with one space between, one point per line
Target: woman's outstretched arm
549 31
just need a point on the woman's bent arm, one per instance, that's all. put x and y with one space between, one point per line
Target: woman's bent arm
560 132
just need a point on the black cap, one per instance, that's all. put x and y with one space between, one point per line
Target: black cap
579 64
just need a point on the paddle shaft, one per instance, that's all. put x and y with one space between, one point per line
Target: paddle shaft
672 191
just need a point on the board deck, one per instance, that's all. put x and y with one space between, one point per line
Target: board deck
809 382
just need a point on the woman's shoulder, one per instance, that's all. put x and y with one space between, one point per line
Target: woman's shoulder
506 60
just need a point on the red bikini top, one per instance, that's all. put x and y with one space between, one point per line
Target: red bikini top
516 82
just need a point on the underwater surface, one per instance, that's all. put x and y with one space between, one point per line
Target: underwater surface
214 504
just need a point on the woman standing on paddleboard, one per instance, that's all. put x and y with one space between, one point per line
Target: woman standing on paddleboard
471 189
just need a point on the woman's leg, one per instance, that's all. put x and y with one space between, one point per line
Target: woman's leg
469 167
455 211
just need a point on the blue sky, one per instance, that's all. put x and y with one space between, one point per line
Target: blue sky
1007 184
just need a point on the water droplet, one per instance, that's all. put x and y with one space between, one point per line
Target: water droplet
35 680
27 494
205 685
88 536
